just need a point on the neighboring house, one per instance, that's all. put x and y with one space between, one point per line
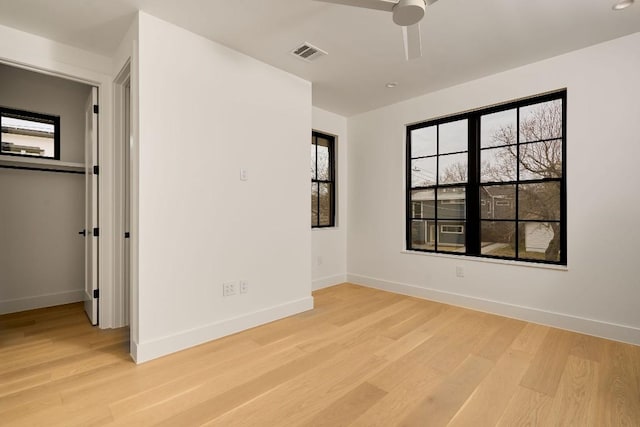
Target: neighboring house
451 214
497 202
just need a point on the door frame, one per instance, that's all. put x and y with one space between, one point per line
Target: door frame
122 295
37 61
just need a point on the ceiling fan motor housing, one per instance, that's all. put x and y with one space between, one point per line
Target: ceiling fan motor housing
408 12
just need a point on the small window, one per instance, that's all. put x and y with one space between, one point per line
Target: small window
322 180
29 134
503 203
452 229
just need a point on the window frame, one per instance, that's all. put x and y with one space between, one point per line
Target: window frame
474 183
39 117
331 181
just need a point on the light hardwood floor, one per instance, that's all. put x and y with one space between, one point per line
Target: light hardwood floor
362 357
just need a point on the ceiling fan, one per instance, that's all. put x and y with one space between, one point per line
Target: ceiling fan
406 13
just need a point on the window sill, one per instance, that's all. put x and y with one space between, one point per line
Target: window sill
40 163
489 260
334 228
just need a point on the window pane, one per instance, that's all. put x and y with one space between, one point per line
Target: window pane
539 241
498 129
498 164
453 137
541 160
451 236
498 202
498 238
423 172
313 161
541 121
451 203
452 168
423 235
314 203
422 203
423 142
325 204
539 201
27 137
323 162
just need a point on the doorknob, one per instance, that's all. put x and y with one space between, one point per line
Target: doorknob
83 232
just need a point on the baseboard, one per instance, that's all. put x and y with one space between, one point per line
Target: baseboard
145 351
583 325
40 301
325 282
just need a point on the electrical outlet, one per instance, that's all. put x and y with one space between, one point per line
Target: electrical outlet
460 271
244 286
228 289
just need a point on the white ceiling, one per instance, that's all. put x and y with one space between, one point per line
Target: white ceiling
462 39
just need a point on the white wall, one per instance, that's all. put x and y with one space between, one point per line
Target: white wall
599 291
329 245
41 253
38 53
206 112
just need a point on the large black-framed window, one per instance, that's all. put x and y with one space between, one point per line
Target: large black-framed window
323 186
29 134
491 182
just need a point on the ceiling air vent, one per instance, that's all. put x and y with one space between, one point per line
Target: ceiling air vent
308 52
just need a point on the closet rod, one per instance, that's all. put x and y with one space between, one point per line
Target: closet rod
42 169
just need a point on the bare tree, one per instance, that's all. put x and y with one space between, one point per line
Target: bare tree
539 158
456 172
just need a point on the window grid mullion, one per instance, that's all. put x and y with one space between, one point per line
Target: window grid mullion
517 212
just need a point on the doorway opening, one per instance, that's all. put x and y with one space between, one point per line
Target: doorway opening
49 191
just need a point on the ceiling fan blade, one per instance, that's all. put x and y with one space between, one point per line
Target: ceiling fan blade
367 4
412 41
430 2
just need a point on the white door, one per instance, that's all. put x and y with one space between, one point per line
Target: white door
91 209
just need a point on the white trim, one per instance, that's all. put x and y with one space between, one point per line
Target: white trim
145 351
325 282
513 262
41 163
120 317
40 301
583 325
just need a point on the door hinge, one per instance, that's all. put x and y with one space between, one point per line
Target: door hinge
96 232
96 293
96 170
127 234
95 109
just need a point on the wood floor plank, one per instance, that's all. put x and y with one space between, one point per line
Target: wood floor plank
444 401
361 357
319 390
547 366
527 408
489 400
574 403
398 403
618 400
344 411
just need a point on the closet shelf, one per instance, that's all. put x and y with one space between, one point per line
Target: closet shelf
41 164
